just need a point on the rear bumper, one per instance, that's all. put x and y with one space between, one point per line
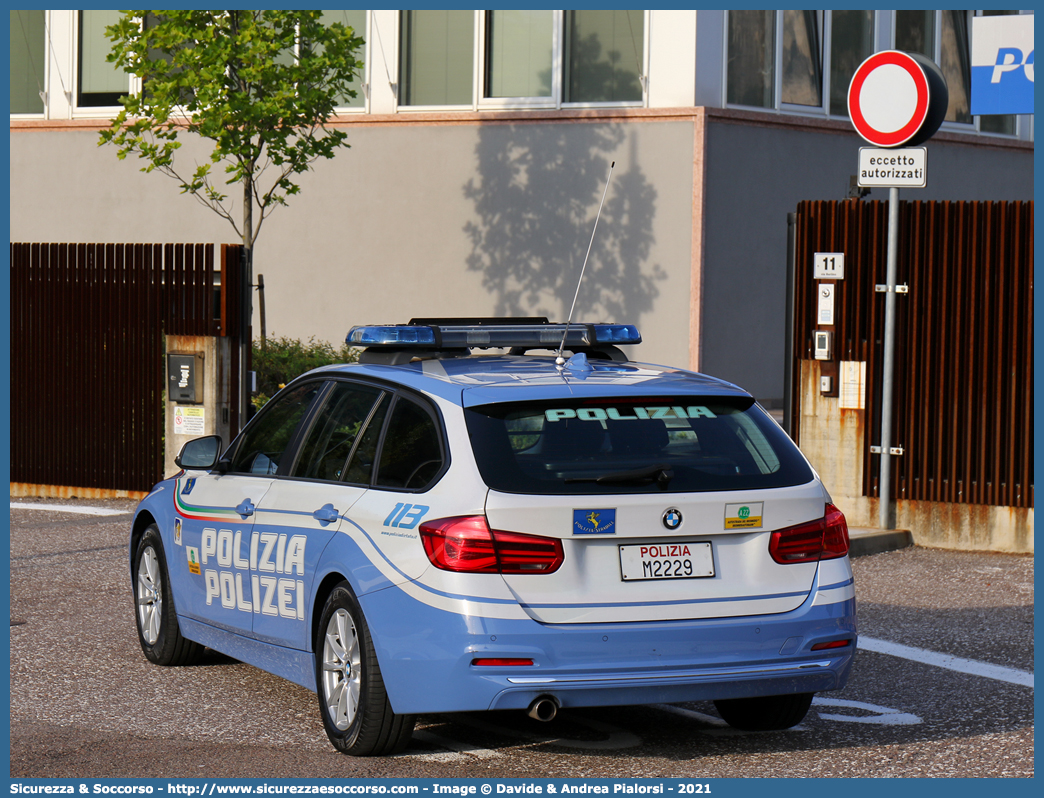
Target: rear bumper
808 676
426 656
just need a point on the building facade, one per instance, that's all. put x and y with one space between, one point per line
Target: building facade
480 145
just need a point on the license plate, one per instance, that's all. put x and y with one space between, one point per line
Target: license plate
683 560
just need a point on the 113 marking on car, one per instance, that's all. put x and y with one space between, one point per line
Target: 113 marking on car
406 516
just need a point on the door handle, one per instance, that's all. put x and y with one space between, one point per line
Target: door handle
245 508
326 514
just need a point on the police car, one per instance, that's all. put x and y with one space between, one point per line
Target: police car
441 529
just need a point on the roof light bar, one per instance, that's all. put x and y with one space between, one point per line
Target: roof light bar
506 336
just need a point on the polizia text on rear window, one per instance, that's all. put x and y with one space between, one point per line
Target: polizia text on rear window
632 445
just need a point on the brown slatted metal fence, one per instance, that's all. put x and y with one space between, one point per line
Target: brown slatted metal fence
87 373
963 403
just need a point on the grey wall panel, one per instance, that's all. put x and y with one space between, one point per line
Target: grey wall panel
418 220
756 175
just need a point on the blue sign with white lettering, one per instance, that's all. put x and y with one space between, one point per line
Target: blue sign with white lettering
1002 65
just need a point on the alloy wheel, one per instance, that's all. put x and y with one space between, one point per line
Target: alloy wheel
342 669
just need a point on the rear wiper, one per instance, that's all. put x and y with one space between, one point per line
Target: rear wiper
660 474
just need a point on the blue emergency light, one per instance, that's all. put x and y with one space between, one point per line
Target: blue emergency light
492 333
391 335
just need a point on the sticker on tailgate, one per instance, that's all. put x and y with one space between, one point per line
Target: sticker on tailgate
743 516
594 522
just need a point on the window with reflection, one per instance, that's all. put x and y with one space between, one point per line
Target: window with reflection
356 20
28 60
411 455
751 58
851 43
603 56
437 53
360 467
267 438
518 53
100 83
954 61
915 32
802 63
324 453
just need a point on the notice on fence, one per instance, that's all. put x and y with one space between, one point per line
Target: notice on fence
852 387
189 421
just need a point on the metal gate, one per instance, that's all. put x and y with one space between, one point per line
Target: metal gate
963 403
87 378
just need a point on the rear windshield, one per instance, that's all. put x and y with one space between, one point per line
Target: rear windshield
677 443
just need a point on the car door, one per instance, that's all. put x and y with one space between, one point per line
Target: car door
303 509
401 464
216 513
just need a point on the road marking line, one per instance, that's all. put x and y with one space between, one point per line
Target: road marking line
959 664
719 727
68 508
456 749
710 720
618 738
884 717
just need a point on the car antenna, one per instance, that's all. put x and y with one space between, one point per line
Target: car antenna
559 360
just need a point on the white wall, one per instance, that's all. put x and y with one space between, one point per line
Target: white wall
417 220
672 58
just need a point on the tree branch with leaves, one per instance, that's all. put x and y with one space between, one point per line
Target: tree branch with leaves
260 85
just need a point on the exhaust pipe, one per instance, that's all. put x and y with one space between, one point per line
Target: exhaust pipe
543 708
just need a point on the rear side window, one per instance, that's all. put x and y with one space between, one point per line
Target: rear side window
360 469
411 455
677 443
334 432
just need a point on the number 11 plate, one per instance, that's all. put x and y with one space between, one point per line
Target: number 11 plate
681 560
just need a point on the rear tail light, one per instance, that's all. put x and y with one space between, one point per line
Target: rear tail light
466 544
823 539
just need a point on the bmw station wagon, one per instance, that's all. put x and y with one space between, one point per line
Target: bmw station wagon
435 530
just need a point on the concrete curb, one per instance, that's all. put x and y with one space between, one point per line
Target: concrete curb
865 541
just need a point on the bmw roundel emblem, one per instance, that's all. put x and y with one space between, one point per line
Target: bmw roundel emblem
672 518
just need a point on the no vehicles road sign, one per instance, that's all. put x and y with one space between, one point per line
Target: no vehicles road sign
897 99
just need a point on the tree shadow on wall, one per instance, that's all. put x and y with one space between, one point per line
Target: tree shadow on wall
535 198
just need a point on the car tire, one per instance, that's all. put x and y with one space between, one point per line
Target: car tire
766 713
354 705
158 631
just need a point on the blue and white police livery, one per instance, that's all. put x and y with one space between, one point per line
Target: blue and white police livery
432 530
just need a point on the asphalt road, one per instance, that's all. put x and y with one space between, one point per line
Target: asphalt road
86 704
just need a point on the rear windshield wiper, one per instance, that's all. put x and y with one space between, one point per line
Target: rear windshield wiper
661 474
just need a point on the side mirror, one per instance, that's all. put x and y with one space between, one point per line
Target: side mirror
199 454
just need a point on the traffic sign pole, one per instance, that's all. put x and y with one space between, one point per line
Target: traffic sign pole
895 99
884 500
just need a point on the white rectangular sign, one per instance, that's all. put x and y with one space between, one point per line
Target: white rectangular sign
826 303
189 421
853 384
904 167
829 265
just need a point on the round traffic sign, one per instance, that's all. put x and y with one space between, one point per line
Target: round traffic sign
897 98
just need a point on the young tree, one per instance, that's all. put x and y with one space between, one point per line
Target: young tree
259 85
